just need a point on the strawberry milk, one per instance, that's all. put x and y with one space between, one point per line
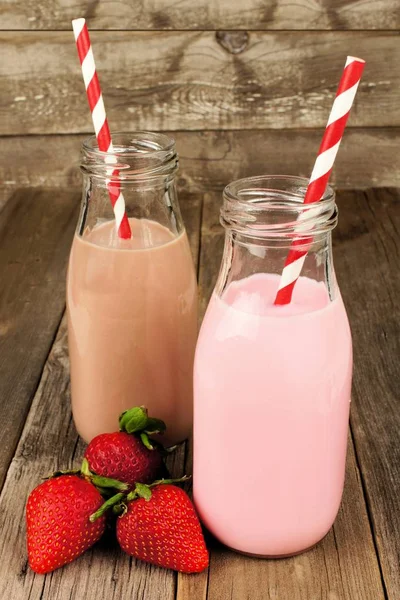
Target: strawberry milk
272 397
132 326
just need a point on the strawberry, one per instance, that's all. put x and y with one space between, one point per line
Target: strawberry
161 527
128 455
58 525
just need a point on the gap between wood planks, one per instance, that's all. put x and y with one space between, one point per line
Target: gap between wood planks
209 130
34 391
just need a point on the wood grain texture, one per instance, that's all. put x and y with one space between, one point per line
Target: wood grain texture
202 14
36 229
190 81
209 160
49 442
192 587
343 566
192 208
367 264
5 194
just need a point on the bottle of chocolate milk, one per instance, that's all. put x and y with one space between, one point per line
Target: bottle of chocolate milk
132 303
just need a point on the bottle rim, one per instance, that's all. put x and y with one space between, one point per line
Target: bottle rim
137 156
272 206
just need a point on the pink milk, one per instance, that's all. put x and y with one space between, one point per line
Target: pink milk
272 397
132 326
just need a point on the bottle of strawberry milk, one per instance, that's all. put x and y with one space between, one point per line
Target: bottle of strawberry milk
272 383
132 303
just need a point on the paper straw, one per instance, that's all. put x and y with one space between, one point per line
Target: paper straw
322 169
100 122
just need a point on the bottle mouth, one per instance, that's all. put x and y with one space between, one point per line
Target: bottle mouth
139 156
272 206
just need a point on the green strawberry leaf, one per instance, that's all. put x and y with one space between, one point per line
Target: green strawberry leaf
136 420
143 491
133 420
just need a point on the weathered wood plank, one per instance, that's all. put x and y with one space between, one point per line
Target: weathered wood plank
5 194
49 441
192 587
343 566
210 159
201 14
36 229
192 208
367 263
195 80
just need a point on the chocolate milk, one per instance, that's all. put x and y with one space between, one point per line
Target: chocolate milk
132 327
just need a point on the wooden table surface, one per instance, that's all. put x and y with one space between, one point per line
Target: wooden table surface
358 559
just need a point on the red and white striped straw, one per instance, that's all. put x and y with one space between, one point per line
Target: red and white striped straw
100 122
322 169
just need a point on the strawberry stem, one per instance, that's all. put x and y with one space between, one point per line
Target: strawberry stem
120 509
107 482
145 441
101 482
144 491
169 481
105 506
85 468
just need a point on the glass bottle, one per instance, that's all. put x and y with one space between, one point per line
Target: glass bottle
131 303
272 383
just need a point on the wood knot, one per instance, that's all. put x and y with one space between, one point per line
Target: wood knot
234 42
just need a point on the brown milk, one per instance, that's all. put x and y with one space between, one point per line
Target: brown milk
132 327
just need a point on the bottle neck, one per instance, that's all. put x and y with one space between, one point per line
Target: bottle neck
142 167
263 218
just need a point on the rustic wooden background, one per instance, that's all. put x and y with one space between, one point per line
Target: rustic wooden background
244 86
